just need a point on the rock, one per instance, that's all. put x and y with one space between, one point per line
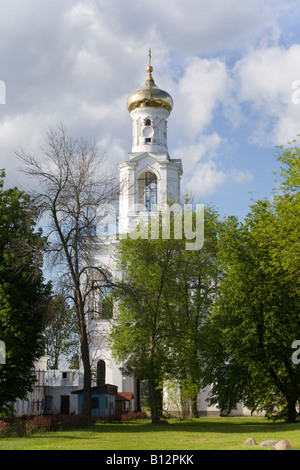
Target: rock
250 442
269 442
283 445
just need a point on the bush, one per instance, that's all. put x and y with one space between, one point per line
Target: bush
12 427
38 424
4 428
72 421
133 415
17 427
27 425
111 419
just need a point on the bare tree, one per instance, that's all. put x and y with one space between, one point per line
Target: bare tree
72 184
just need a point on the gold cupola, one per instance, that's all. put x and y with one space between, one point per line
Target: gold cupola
149 96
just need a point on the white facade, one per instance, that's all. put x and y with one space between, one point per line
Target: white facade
148 176
166 175
51 392
149 123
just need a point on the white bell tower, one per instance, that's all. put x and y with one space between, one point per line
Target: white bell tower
149 176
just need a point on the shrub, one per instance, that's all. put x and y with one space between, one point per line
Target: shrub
111 419
133 415
73 421
38 424
17 427
4 428
27 425
12 427
56 422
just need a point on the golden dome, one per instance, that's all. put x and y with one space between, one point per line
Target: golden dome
149 96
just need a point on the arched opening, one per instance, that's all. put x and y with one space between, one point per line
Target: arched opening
147 191
148 131
101 300
101 371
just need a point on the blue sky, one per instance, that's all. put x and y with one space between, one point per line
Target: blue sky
228 65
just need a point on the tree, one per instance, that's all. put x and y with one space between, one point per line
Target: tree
60 334
73 185
197 276
257 315
144 323
161 307
286 251
24 296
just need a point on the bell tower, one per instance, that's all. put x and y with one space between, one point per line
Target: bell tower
149 177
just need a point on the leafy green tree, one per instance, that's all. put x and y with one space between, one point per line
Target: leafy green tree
257 314
23 294
285 249
60 334
161 307
146 320
195 288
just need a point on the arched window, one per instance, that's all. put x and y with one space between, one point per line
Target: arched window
147 191
101 302
101 370
148 131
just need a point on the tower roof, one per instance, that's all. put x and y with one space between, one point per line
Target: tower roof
149 95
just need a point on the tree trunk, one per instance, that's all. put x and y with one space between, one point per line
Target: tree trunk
291 410
86 408
194 407
155 398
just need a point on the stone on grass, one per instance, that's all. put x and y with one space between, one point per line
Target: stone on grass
250 442
269 442
283 445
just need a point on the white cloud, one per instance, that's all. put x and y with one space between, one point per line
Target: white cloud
201 88
240 177
264 79
205 179
204 169
195 26
76 63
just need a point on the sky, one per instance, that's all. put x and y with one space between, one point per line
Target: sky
232 68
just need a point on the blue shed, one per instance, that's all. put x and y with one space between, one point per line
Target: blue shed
103 400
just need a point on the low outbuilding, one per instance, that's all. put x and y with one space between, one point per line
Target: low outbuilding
103 400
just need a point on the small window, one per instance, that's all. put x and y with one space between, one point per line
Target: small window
148 140
148 122
65 375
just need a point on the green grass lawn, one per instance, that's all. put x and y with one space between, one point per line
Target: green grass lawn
198 434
